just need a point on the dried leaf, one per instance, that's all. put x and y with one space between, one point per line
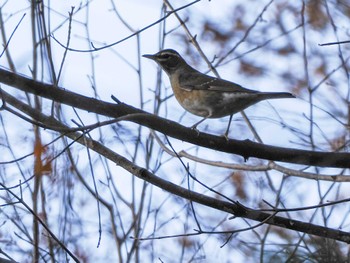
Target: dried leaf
238 179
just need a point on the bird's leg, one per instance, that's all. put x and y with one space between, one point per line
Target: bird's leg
194 126
228 128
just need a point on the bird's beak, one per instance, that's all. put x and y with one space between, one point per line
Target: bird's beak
153 57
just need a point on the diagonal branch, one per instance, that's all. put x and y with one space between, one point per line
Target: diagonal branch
234 208
245 148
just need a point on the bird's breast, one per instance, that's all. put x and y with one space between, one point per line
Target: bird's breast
191 100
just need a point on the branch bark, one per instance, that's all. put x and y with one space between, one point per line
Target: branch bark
234 208
245 148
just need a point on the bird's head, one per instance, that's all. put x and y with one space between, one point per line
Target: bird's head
168 59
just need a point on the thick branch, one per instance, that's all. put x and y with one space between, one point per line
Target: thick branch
244 148
234 208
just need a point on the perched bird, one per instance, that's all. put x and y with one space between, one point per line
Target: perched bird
207 96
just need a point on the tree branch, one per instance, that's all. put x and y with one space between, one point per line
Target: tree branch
234 208
245 148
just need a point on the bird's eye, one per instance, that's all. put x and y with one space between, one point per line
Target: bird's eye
165 56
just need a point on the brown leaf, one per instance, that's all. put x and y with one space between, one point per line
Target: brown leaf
238 179
317 14
339 142
249 69
186 242
42 161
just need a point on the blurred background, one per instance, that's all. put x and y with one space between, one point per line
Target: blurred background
101 212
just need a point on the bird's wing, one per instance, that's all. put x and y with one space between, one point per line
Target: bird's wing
199 81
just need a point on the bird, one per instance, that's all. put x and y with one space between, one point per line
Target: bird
204 95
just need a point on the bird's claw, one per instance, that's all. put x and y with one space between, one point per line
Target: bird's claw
194 127
226 137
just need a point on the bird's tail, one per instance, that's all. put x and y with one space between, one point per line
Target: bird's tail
276 95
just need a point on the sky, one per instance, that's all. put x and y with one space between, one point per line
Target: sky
114 73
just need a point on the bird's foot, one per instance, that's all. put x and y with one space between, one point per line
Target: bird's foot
194 127
226 136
